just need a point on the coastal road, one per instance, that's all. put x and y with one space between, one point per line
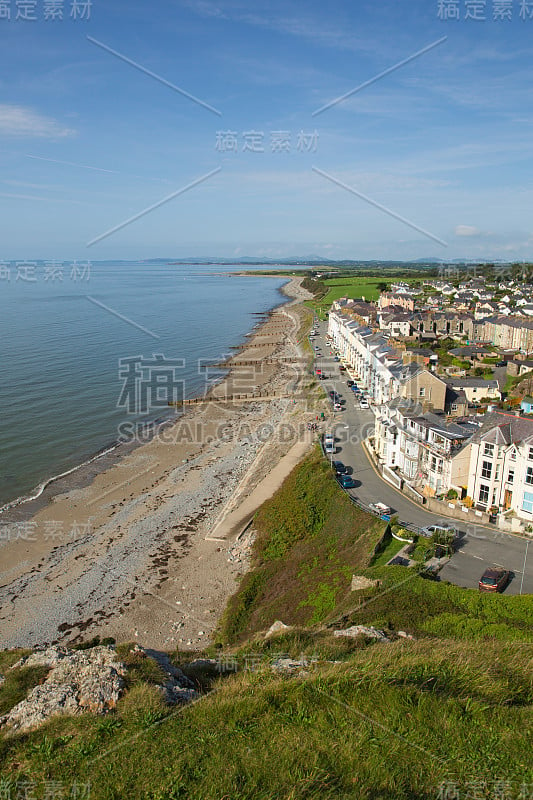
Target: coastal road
480 547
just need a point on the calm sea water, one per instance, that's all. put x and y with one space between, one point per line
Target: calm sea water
60 351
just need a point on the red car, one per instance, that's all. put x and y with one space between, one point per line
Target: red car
494 580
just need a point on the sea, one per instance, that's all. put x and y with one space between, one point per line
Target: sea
81 343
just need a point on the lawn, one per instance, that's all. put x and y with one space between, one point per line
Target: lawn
366 287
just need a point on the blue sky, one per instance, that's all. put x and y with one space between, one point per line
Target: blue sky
89 140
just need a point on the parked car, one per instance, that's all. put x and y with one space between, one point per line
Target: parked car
332 393
494 579
346 481
337 407
350 383
339 468
379 508
363 403
444 526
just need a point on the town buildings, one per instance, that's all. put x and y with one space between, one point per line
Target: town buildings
422 436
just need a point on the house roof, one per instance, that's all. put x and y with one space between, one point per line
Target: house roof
466 383
455 396
498 428
468 350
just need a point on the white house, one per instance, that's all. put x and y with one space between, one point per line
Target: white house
422 448
476 388
501 465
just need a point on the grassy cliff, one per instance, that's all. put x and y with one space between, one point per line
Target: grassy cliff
445 714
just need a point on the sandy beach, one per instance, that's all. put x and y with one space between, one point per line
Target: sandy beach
149 549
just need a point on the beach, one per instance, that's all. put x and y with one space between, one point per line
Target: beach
152 547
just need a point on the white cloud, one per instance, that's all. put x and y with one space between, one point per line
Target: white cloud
21 121
466 230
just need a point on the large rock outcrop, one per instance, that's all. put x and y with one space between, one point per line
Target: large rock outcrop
81 681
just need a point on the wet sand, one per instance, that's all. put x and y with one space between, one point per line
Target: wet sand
147 548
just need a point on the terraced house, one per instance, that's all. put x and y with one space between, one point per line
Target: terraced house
508 333
384 371
424 450
501 465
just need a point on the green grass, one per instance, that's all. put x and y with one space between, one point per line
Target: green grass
512 382
18 684
310 540
391 548
391 722
406 601
366 287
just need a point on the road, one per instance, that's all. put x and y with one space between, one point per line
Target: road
479 547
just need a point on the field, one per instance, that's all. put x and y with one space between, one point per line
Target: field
368 287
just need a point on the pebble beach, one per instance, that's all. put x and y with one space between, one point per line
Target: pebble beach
154 545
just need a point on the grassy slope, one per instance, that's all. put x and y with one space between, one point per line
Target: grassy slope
310 539
388 721
393 721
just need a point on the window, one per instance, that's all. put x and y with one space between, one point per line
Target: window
483 493
510 476
529 475
527 502
530 454
513 455
486 469
422 391
488 450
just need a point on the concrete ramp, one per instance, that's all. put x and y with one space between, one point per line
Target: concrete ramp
232 523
